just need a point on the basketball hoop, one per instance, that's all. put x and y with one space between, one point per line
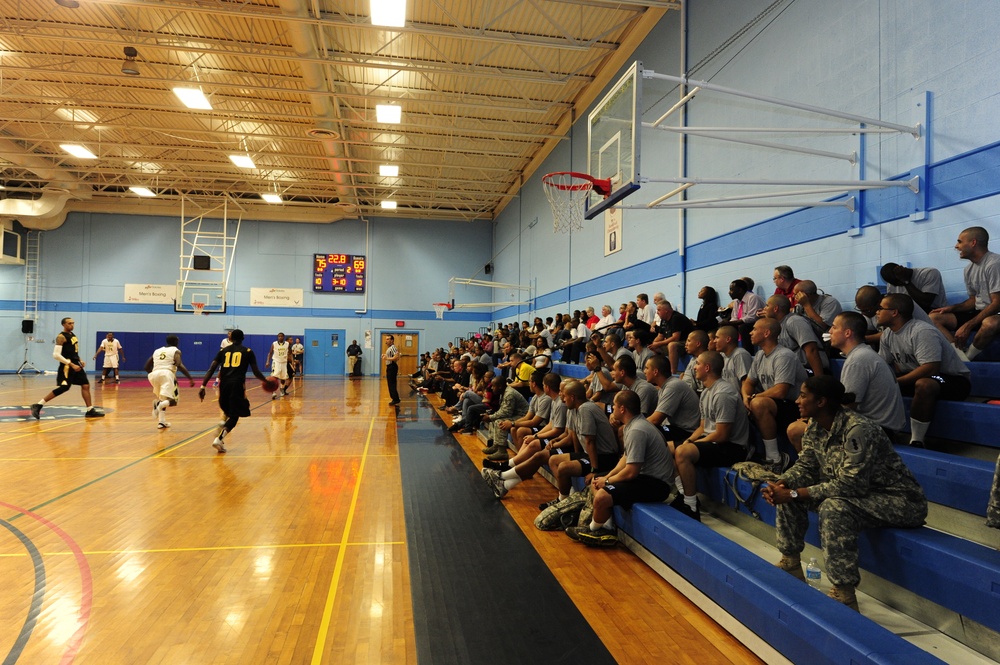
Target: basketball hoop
199 308
440 308
567 192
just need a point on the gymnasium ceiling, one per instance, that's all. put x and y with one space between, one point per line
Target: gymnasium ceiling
487 89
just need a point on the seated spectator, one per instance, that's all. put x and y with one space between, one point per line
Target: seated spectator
708 314
642 474
535 419
535 439
864 375
639 345
676 412
454 385
590 319
473 394
737 359
598 379
625 375
520 381
797 335
671 333
816 308
644 311
607 322
512 407
924 285
610 349
696 344
849 473
959 323
542 360
784 281
722 437
743 311
770 389
632 320
927 367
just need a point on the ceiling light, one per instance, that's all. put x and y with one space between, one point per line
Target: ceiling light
142 191
389 205
271 198
388 170
193 98
388 113
69 4
391 13
129 66
77 151
76 115
242 161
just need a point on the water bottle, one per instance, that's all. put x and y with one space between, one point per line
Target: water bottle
814 575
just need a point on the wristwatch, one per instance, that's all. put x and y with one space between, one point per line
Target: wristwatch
793 494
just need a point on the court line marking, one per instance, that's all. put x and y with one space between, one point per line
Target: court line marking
22 434
188 457
324 625
35 607
219 548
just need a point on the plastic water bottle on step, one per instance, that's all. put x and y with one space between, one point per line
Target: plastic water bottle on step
814 576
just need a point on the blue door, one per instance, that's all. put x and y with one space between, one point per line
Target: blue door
325 352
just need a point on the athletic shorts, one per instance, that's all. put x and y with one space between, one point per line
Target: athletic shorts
954 387
233 399
279 370
164 384
110 362
605 462
720 454
788 413
69 377
641 489
674 433
964 317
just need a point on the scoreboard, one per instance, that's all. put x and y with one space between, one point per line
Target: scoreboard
339 273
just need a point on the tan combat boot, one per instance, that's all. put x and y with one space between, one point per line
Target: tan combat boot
793 566
845 594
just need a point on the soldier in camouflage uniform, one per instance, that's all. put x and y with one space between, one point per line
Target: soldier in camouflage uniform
993 509
847 472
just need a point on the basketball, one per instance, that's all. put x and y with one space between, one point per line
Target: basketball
270 384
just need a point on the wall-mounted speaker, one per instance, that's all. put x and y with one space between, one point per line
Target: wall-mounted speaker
488 268
28 326
199 262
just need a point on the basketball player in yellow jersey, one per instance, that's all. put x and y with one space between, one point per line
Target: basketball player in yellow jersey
70 373
280 353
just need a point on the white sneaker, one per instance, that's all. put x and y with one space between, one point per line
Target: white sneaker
274 395
162 425
218 445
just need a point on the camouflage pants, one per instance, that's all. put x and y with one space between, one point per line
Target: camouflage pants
841 519
498 437
993 509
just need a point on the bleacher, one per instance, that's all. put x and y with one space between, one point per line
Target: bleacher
942 576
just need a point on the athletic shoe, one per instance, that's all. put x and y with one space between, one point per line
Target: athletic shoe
495 482
778 467
598 538
101 380
274 395
93 413
455 426
496 465
916 444
574 532
36 411
394 402
162 425
118 380
156 412
693 514
792 566
547 504
218 445
284 393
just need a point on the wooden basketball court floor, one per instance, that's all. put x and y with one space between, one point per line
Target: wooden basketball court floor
127 544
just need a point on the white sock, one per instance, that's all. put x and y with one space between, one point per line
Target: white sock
509 474
594 526
511 483
691 501
562 496
678 484
41 402
610 524
162 405
510 463
918 430
771 450
972 352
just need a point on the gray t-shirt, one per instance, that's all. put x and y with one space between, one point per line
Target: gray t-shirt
983 278
918 343
689 378
927 280
781 366
827 307
796 332
679 404
644 445
590 420
597 387
874 386
647 392
736 367
641 357
720 403
557 414
541 406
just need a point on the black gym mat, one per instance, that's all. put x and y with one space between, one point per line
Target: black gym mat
481 593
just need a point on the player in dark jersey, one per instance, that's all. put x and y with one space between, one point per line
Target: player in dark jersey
234 360
71 372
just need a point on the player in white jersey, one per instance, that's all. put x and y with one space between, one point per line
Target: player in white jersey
278 357
112 349
162 369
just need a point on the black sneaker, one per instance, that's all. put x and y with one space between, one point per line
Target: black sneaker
93 413
36 411
598 538
547 504
693 514
574 532
779 467
496 465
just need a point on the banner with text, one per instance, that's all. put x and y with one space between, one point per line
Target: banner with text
276 297
151 293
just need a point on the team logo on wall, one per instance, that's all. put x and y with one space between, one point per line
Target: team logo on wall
16 414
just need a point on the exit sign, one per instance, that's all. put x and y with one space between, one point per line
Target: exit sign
400 324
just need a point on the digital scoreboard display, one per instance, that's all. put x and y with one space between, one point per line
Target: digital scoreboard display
339 273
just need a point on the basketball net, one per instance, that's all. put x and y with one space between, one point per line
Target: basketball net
199 308
567 193
440 308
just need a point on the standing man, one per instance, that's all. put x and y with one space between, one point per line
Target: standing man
390 357
959 322
354 359
234 360
298 353
111 348
70 373
280 354
161 369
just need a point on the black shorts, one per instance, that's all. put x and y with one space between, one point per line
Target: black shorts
605 462
233 399
720 454
954 387
788 413
69 377
964 317
674 433
642 489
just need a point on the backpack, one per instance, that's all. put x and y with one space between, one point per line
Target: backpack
564 514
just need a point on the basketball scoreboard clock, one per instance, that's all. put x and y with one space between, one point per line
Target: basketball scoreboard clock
339 273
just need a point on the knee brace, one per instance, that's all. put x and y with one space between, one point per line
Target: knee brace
60 390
